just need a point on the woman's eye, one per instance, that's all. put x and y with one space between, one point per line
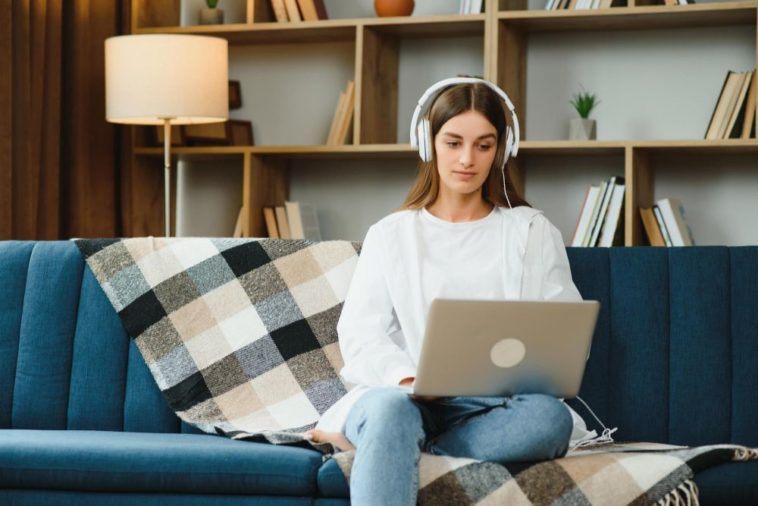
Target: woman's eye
485 147
452 144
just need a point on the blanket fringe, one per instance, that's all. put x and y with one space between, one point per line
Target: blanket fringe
685 494
746 454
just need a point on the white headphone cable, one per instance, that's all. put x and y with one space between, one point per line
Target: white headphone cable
505 192
605 437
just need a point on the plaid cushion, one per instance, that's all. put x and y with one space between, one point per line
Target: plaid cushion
240 335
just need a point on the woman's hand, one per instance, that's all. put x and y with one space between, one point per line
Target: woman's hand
337 439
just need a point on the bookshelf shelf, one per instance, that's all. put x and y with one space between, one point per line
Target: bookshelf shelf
331 30
527 148
633 18
504 30
269 33
295 152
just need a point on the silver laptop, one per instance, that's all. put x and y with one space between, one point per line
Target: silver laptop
501 348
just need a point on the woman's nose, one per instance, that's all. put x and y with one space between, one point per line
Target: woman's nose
466 156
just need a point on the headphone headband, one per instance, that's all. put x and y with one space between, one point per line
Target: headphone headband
428 97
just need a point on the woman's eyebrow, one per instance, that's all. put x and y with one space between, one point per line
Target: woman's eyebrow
451 134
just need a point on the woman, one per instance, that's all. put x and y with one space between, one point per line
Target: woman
457 237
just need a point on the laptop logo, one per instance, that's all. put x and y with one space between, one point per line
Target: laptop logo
507 353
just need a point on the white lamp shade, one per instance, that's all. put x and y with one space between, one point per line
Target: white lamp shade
150 78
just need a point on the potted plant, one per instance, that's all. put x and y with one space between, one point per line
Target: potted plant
583 128
212 15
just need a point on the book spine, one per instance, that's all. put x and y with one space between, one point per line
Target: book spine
662 226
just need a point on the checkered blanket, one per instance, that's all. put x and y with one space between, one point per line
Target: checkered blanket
240 336
615 474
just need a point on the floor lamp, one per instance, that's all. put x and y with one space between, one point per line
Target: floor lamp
166 80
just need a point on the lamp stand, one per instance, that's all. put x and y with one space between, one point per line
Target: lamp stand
167 175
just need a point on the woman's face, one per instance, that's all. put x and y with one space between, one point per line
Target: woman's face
465 148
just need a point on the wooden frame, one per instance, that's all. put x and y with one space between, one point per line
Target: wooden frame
235 95
240 132
233 132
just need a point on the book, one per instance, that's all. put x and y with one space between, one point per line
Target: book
585 215
280 11
598 222
308 10
309 220
738 105
748 121
346 116
270 218
238 223
293 13
719 111
672 212
335 119
303 221
610 232
737 80
282 222
651 227
662 226
320 9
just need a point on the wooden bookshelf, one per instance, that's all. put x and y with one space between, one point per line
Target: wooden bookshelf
504 29
654 17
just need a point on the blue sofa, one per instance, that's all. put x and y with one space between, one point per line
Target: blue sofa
675 359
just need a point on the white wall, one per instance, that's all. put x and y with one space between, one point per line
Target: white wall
657 84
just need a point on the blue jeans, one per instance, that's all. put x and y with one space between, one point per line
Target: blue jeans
390 430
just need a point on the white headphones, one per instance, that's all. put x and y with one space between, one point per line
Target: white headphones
421 131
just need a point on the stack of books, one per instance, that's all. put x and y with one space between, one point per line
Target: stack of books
298 10
734 114
601 218
339 132
666 225
293 220
554 5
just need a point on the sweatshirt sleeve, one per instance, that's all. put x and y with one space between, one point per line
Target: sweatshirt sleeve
557 282
368 320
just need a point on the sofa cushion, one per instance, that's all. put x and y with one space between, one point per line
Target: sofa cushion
26 497
331 480
734 483
148 462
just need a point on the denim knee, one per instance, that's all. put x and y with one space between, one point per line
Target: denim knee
556 420
381 407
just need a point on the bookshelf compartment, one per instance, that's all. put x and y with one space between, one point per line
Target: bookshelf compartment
651 85
556 183
718 197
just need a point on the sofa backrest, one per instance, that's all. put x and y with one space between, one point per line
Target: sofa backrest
675 353
674 359
65 360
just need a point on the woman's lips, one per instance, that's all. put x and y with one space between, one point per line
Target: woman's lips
464 174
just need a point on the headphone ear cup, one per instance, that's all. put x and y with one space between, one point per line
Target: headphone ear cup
424 144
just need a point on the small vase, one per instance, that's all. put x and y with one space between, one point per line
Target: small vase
385 8
582 129
211 17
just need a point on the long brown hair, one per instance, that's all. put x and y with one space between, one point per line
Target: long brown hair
451 102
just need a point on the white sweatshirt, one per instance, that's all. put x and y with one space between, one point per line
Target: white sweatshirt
410 258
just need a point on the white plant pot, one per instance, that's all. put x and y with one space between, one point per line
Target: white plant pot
211 17
582 129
